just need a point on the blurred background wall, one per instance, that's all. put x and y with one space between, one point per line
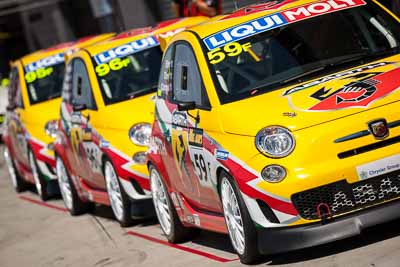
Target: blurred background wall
29 25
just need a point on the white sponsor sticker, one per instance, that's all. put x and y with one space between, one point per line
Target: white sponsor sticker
379 167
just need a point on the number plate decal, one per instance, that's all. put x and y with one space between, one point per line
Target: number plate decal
379 167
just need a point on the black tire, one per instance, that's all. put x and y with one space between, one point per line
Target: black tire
251 254
177 233
40 182
77 206
18 182
125 220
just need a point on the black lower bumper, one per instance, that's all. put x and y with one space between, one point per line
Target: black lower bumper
276 240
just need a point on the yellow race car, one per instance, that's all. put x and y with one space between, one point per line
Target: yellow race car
34 103
105 124
279 124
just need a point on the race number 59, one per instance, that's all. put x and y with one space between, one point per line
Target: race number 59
231 50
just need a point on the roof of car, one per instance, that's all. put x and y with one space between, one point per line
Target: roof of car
267 10
164 28
64 47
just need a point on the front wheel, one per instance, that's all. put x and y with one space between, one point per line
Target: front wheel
166 213
240 226
18 183
40 183
69 194
119 200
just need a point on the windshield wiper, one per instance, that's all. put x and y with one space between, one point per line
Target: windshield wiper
355 57
140 92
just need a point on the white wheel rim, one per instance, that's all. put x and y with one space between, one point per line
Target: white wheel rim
233 216
35 174
64 184
10 167
160 202
114 191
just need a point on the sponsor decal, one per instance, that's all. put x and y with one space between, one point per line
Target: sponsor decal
104 144
221 154
126 49
45 62
379 167
195 137
278 19
244 30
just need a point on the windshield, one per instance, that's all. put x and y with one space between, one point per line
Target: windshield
44 83
131 76
298 51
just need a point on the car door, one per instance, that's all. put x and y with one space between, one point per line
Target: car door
16 127
193 162
87 153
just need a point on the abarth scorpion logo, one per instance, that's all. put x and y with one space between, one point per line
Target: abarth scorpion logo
378 128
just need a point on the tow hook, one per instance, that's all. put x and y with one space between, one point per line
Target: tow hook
324 212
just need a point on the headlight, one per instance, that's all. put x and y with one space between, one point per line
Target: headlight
140 134
51 128
275 142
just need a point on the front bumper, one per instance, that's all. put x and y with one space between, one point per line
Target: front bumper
276 240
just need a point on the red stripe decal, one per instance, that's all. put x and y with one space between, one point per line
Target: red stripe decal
38 202
180 247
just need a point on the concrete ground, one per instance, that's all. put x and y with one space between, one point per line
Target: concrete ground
33 234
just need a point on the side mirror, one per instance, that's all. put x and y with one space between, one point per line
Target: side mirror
79 107
185 106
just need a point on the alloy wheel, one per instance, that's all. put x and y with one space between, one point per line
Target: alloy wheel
63 182
35 174
10 167
160 202
233 216
114 191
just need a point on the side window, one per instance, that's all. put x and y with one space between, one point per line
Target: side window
187 83
81 89
165 79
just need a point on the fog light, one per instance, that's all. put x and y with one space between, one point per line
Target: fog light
140 158
273 173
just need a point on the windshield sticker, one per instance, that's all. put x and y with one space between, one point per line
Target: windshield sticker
32 76
114 65
126 49
45 62
279 19
231 50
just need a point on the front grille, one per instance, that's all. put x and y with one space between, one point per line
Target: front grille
367 148
342 197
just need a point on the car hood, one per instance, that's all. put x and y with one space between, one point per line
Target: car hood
317 101
41 113
123 115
